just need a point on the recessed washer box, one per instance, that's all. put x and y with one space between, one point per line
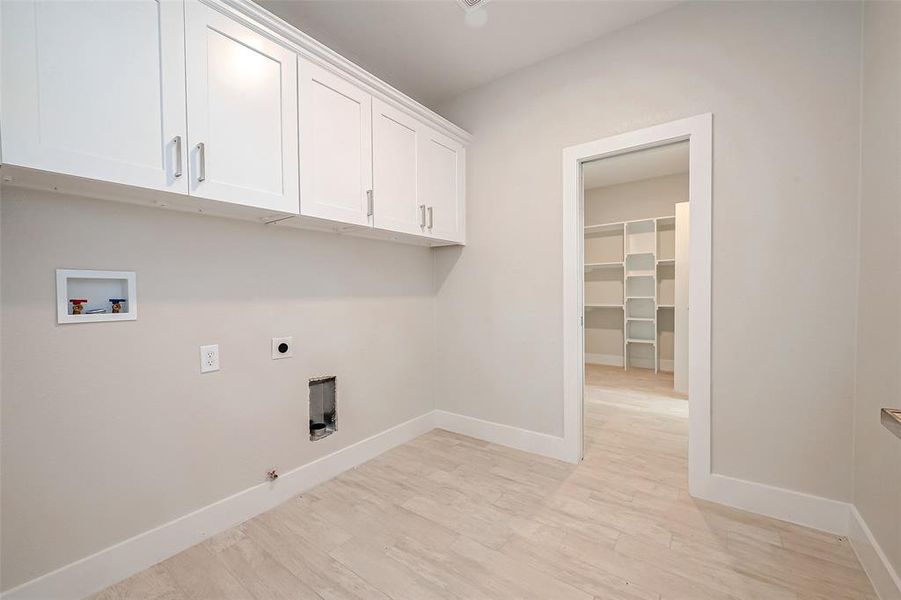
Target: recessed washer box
95 291
323 407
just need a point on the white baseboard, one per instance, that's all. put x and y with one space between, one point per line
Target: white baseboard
808 510
505 435
880 571
612 360
93 573
616 360
824 514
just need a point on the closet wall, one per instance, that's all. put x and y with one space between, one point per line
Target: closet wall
604 327
654 197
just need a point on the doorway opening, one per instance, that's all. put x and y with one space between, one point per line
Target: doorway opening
635 209
637 218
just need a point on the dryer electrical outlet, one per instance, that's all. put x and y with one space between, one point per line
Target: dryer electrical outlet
282 347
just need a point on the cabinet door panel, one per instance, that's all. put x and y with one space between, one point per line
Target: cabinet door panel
95 89
395 143
335 146
242 113
441 172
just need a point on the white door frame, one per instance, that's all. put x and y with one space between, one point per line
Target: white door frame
699 131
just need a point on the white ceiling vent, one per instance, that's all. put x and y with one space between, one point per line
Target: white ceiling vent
469 5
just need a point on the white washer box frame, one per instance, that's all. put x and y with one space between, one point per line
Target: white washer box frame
63 276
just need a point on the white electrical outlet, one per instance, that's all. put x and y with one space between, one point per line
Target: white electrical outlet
209 358
282 347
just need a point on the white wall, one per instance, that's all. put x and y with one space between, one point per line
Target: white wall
877 453
654 197
109 429
781 80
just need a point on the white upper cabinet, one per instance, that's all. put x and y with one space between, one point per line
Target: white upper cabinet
218 105
335 147
242 111
441 185
96 90
395 143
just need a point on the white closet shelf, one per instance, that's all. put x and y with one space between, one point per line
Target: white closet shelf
645 250
603 265
603 227
620 224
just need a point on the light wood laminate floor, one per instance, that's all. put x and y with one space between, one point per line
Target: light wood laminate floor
447 516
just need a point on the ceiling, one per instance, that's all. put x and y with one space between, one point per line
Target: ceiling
634 166
425 48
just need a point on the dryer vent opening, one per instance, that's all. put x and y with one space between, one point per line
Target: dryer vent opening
323 409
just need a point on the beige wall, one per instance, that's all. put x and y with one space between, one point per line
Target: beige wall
645 199
781 80
655 197
109 429
877 454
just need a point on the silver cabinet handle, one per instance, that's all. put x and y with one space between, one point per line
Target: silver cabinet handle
369 204
431 220
201 152
177 156
422 215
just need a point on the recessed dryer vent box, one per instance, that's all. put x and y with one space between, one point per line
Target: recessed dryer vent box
323 407
84 296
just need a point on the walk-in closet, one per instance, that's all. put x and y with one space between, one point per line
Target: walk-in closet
636 218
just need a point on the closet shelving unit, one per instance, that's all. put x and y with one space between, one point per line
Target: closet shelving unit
643 251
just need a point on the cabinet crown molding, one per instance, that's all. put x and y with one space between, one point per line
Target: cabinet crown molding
254 15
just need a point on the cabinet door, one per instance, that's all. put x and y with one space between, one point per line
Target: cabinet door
335 146
96 90
395 142
441 185
242 111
